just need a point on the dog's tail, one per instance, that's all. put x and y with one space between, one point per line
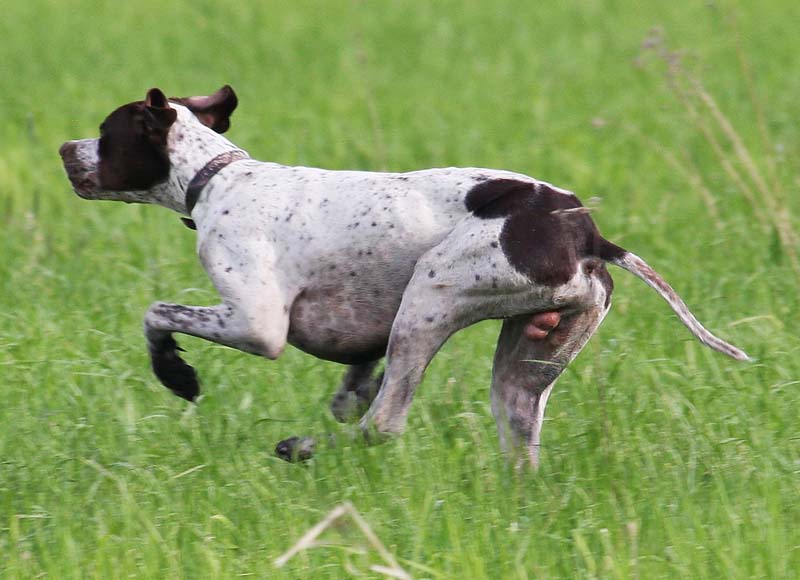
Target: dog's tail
634 264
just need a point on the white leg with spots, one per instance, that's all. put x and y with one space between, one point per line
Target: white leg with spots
464 279
526 367
252 318
222 324
410 350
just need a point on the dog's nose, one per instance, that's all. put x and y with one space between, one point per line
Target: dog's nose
66 149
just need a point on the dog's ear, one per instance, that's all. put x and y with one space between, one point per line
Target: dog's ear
158 116
214 110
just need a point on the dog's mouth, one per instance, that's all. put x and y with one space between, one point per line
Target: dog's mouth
83 182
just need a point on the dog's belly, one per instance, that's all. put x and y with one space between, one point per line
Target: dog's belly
345 323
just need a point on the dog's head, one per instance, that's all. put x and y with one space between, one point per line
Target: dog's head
131 156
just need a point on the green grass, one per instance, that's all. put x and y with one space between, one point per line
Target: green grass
661 459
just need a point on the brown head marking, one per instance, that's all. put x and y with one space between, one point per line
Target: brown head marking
132 149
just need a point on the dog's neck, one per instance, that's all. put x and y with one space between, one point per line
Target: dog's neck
207 173
191 146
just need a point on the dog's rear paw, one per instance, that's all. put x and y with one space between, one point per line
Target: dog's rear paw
296 449
172 370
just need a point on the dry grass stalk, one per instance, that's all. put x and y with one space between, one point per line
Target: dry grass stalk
764 195
687 169
308 541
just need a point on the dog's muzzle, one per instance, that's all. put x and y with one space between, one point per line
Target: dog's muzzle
81 172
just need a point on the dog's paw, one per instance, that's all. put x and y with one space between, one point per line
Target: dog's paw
172 370
349 407
296 449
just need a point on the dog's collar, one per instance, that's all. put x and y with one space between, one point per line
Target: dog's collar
209 170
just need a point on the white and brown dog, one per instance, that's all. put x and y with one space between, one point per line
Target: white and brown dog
352 266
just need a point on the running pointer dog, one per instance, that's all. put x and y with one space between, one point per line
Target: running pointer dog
351 266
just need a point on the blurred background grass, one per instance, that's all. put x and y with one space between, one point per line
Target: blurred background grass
660 457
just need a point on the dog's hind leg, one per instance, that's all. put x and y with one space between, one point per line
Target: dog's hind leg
357 391
529 358
411 348
461 281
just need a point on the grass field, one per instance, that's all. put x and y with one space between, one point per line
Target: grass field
660 458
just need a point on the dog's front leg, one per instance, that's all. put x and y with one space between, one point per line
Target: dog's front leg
253 316
224 324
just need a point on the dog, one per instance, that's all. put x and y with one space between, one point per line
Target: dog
354 266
